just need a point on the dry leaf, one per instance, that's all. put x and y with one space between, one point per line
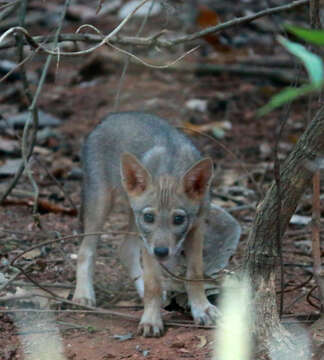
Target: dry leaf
208 17
202 341
224 125
126 303
32 254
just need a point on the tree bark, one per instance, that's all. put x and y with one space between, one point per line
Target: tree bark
315 22
261 254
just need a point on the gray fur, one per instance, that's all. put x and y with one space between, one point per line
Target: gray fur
166 182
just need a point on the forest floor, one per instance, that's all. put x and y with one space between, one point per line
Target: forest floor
218 111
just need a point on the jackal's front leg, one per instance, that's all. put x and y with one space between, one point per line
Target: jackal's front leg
202 310
151 324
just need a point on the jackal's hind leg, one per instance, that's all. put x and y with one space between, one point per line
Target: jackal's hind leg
130 255
96 205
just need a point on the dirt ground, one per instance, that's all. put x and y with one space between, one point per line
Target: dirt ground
217 111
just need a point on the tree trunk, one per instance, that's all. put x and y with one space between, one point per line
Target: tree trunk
262 255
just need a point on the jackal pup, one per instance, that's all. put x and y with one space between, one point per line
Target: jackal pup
166 182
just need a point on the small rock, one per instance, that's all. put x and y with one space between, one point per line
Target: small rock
9 147
75 174
304 245
80 12
300 220
124 337
197 104
143 351
3 279
5 67
10 167
45 134
218 133
142 11
18 121
109 7
265 150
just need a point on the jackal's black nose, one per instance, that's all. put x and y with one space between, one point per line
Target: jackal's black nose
161 252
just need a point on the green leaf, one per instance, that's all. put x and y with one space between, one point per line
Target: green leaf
218 132
315 37
91 329
314 66
312 62
285 96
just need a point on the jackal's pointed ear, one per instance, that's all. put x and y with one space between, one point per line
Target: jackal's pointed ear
197 179
135 178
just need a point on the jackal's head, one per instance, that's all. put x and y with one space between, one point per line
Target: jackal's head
166 208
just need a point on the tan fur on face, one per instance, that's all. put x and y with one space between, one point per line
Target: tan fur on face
166 191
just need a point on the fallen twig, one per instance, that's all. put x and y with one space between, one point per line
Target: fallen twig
310 295
14 277
275 74
58 184
101 311
173 276
279 75
15 68
55 285
8 298
68 237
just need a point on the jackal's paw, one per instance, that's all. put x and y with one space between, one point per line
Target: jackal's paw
84 298
205 315
151 328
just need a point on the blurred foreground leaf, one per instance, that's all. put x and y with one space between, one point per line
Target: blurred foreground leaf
315 37
314 67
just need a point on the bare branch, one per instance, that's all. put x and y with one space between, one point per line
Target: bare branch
31 41
127 59
15 68
238 21
154 66
130 55
8 9
145 41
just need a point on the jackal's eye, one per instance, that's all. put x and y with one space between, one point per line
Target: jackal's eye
149 218
178 219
